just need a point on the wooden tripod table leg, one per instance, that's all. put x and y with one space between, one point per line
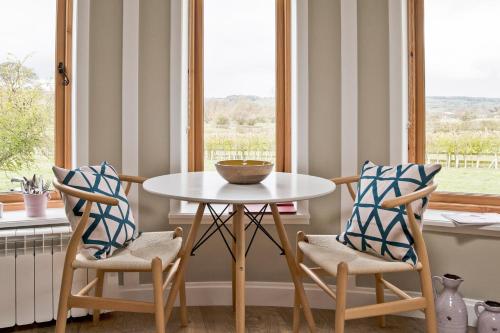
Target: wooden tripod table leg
233 265
239 228
185 254
294 269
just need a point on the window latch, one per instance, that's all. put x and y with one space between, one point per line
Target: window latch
62 70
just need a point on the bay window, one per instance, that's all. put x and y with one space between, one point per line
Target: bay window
240 82
454 98
35 91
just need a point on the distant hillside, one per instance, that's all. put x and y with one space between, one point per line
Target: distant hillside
263 108
456 107
240 108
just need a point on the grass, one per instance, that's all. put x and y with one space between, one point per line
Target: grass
470 180
235 141
43 167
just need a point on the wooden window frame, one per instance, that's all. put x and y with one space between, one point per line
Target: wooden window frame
283 87
62 119
416 119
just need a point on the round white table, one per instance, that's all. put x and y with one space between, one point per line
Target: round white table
210 188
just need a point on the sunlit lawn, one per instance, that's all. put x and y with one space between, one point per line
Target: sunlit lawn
42 167
470 180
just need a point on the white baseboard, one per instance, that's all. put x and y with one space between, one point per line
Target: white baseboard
277 294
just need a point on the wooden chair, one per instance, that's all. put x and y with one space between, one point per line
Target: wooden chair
155 252
334 258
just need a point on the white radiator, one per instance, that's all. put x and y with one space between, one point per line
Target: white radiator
31 264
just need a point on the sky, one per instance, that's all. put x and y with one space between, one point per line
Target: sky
239 47
27 28
462 48
462 45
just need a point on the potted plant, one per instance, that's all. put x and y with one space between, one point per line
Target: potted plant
36 195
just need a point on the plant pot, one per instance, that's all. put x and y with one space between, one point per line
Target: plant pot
36 204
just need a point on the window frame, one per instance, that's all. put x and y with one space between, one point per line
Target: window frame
283 87
180 212
62 119
416 119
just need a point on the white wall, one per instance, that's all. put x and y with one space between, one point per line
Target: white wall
448 252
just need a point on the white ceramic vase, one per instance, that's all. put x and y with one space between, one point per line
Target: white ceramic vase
450 306
488 320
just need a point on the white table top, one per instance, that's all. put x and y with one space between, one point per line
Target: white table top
210 187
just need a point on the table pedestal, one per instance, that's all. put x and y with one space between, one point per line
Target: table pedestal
238 247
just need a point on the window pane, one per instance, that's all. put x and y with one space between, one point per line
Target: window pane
463 93
239 64
27 57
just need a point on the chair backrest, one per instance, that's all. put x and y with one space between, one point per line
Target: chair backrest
416 231
405 200
90 198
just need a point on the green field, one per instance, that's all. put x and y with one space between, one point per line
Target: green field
26 123
42 166
243 127
470 180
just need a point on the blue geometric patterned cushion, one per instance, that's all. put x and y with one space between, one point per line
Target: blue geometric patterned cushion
109 227
386 232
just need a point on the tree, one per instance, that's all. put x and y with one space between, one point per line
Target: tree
25 115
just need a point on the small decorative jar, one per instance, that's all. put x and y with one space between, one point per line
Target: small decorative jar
450 306
488 321
36 204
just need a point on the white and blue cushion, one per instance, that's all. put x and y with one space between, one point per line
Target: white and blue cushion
109 227
386 232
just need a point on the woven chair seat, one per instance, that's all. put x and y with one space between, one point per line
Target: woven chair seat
326 252
138 254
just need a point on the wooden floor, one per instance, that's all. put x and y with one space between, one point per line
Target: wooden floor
220 319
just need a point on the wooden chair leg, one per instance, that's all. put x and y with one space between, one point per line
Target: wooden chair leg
379 289
293 268
296 313
62 311
98 293
299 257
341 297
158 295
185 253
428 293
182 301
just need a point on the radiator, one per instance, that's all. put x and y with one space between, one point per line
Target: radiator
31 264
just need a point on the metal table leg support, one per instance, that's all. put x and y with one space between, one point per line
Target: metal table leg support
218 225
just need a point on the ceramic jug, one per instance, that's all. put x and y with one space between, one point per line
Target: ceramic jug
488 321
450 306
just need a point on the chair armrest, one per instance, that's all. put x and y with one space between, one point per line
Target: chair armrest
409 198
92 197
345 180
348 182
133 179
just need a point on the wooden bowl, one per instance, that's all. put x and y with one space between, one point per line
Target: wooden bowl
244 171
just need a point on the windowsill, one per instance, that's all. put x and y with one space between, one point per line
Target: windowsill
14 201
18 219
184 214
434 221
